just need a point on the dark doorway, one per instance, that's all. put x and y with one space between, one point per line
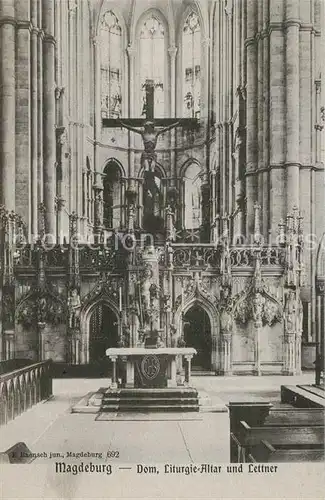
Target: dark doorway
103 334
111 195
197 334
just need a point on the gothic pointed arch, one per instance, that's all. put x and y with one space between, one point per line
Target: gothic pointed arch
152 193
111 35
105 294
151 35
198 296
113 203
191 195
190 61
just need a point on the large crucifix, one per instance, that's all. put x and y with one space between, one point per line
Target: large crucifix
149 134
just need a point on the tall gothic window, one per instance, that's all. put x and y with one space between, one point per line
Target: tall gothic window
192 197
191 56
111 66
152 64
112 195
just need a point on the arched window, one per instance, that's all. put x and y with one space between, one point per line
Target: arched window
110 33
192 197
152 64
112 195
191 58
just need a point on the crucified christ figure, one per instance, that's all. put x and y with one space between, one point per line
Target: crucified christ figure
149 137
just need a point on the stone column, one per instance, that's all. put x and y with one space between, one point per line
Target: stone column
172 51
276 113
188 358
114 378
266 119
204 100
292 103
251 114
131 53
34 122
289 354
226 353
7 104
49 146
298 354
40 117
129 373
172 382
213 214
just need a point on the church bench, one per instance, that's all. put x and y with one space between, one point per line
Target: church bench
259 413
299 397
295 416
290 436
266 452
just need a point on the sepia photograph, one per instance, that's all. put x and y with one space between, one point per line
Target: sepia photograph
162 249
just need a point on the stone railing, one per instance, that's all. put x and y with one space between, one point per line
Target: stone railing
185 255
189 256
245 256
23 388
210 256
101 258
90 258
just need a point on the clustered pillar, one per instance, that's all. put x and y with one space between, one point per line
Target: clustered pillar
27 134
49 147
7 104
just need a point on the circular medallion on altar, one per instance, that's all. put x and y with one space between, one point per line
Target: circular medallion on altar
150 366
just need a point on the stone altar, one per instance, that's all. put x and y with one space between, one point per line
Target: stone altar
155 367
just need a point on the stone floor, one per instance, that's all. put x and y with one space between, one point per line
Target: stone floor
50 429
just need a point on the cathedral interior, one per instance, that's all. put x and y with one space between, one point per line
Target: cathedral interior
162 173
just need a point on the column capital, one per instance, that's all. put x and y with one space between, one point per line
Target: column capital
131 50
320 286
49 39
318 85
96 40
172 51
289 338
72 6
226 338
206 42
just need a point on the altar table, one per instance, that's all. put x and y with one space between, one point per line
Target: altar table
151 367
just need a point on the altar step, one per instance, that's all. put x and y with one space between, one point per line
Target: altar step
150 400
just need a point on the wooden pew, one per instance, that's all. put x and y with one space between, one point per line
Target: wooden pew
257 414
265 452
290 436
296 416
